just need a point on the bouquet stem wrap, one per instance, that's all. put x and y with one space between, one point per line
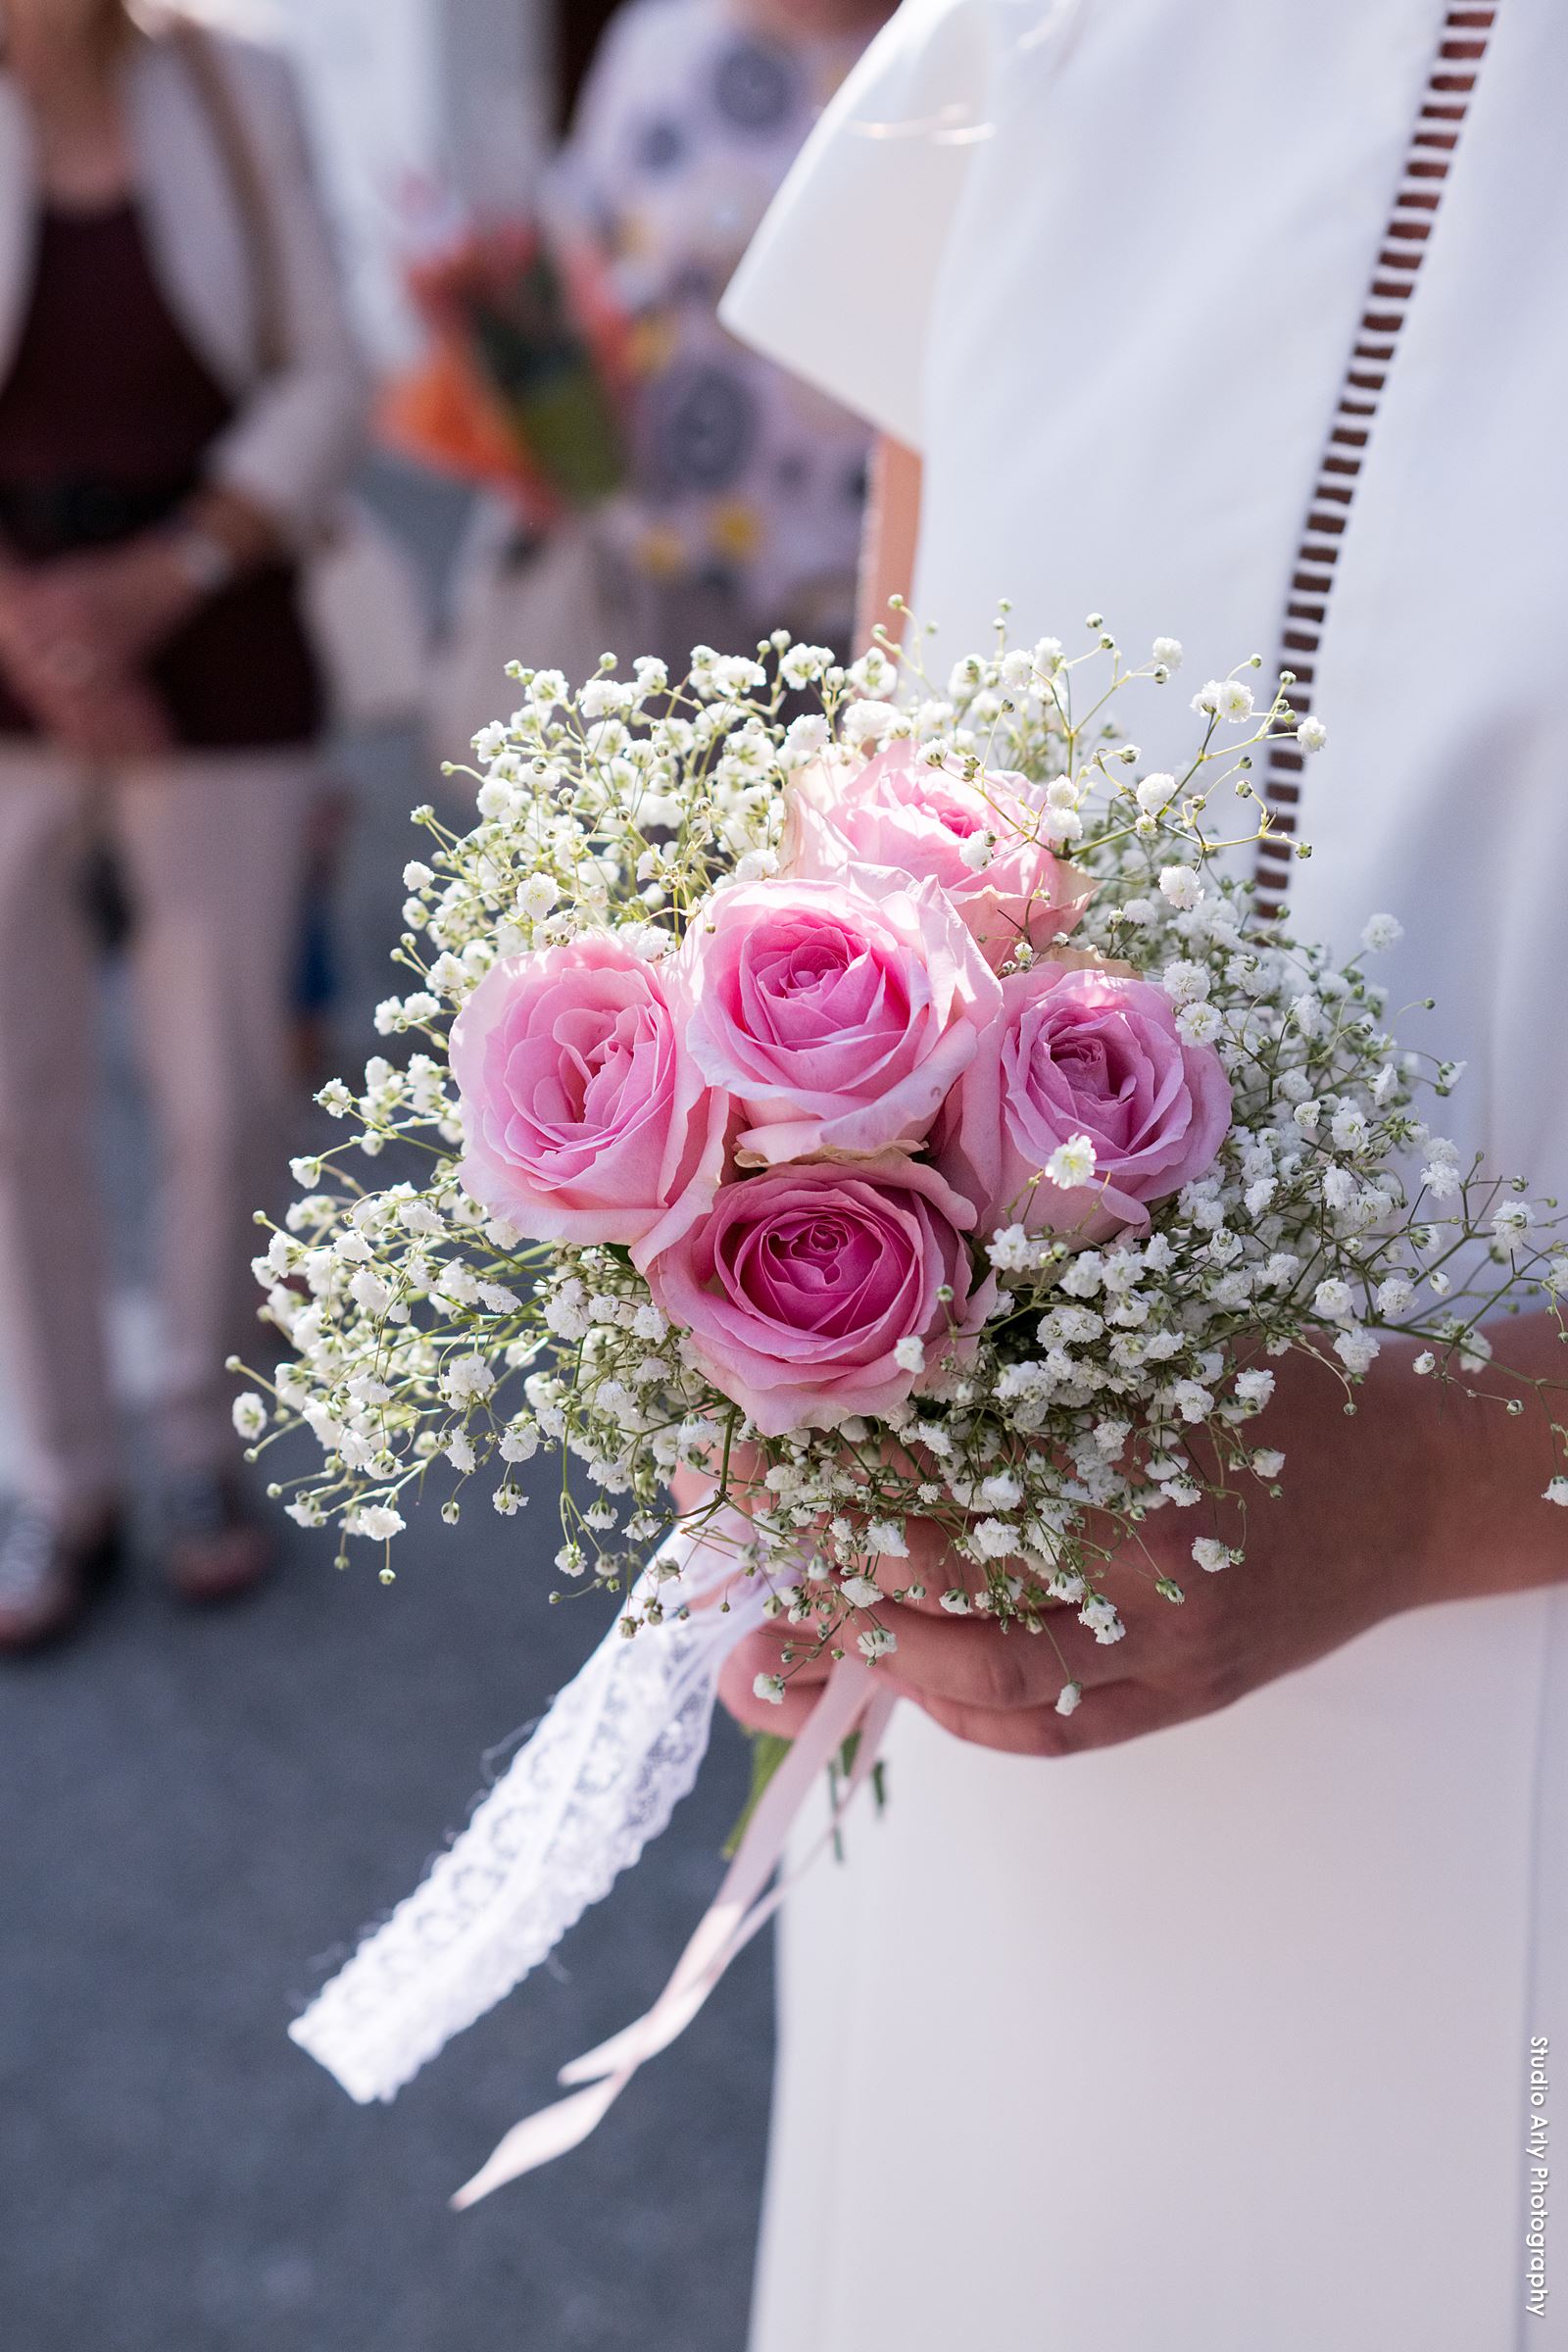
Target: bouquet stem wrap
596 1783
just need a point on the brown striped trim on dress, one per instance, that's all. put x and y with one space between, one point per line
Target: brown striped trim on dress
1450 85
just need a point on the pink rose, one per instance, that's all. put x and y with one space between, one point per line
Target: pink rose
928 821
838 1013
1083 1052
799 1285
583 1117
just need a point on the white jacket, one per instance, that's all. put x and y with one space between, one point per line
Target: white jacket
295 434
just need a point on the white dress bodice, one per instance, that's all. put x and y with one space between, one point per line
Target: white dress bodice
1217 2041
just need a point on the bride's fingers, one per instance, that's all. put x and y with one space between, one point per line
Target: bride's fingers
759 1653
1106 1717
974 1665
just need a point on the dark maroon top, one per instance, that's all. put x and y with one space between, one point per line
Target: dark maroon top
104 421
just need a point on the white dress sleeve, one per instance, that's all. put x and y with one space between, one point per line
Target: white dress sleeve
839 281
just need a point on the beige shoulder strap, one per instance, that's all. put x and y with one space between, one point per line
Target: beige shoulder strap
227 117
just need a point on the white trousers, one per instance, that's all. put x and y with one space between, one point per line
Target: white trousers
209 845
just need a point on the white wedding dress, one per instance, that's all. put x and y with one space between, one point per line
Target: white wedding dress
1218 2042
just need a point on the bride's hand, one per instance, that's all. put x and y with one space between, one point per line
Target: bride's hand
1415 1498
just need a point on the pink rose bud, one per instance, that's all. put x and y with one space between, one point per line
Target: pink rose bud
584 1118
987 842
1083 1054
838 1013
799 1285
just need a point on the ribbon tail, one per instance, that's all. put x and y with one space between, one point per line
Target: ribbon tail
553 2132
739 1911
729 1927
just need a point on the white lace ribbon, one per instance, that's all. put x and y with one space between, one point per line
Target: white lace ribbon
596 1783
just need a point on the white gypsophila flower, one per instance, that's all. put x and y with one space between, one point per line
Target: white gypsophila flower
1332 1300
1154 794
1339 1188
1046 655
1268 1461
1382 932
956 1602
1070 1695
537 896
1224 697
1192 1399
977 850
1254 1387
1167 653
460 1452
1312 734
1394 1294
909 1356
1440 1178
1556 1491
995 1538
769 1687
887 1537
379 1521
877 1641
1425 1363
1102 1619
1512 1220
249 1414
1072 1163
1184 982
1211 1556
1358 1349
804 665
369 1293
860 1591
1197 1024
1180 886
867 722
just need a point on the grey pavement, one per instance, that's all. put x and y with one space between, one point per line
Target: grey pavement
198 1813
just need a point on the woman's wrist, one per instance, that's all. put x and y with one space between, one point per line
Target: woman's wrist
1467 1470
202 561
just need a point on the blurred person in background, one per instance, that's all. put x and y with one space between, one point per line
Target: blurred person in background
180 400
743 506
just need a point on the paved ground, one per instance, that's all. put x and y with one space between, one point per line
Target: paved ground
195 1814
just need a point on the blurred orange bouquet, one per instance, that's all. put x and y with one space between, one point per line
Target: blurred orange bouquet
522 386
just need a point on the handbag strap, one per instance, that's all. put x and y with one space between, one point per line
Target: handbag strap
1408 236
226 115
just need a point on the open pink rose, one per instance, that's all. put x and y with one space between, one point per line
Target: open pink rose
1083 1052
838 1013
583 1117
799 1285
928 821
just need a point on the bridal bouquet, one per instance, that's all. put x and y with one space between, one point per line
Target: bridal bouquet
883 1105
